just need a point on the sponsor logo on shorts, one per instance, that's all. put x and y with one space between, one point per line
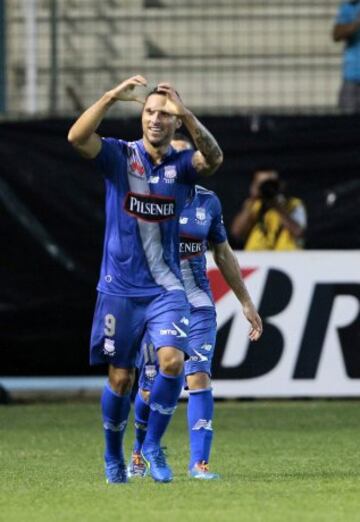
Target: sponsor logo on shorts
149 207
109 347
207 347
108 278
167 331
185 320
177 331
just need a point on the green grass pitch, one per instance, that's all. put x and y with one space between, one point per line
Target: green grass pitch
279 461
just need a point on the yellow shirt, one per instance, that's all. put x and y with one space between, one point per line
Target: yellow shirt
269 233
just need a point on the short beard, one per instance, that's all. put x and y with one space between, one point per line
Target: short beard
157 144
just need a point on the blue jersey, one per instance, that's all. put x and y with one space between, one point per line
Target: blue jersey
143 205
200 221
348 12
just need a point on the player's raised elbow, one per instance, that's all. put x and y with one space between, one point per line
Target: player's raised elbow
219 159
215 163
73 138
88 148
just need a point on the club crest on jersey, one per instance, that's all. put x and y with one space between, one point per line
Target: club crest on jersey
170 174
200 215
149 207
109 347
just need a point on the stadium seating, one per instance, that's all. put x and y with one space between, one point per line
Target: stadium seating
224 56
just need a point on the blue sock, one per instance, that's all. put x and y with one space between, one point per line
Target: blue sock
142 411
200 414
115 410
163 399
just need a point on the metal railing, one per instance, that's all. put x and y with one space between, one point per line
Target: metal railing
224 57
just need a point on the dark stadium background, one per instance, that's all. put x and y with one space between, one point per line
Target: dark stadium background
52 218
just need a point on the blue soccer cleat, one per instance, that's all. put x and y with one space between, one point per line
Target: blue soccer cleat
201 471
157 465
115 473
136 466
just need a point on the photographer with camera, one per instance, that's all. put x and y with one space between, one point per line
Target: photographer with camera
270 220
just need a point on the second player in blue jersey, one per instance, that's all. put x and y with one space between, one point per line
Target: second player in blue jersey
200 224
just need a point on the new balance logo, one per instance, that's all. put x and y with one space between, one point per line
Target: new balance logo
202 424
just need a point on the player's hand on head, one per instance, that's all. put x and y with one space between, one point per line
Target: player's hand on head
126 90
255 321
173 104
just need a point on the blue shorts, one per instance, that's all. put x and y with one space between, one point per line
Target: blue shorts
120 322
202 339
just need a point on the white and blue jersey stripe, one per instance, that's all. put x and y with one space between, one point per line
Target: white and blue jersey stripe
143 205
200 222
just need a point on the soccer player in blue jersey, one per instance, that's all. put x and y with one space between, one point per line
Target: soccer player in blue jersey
200 223
140 283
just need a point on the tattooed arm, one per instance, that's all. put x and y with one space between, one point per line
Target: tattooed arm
208 156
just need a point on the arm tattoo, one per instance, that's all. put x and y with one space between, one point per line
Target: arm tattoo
207 145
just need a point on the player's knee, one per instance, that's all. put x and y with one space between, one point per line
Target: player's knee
145 394
172 365
121 380
198 381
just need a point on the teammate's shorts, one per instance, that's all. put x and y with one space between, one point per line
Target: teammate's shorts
120 322
202 339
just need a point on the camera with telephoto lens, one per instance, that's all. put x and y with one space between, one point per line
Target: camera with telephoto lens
269 189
